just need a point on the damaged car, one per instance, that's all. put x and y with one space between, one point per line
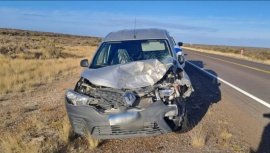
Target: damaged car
134 86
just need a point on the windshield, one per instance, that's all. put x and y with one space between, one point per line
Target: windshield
111 53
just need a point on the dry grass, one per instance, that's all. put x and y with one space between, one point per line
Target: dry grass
93 143
225 138
28 61
35 134
65 131
260 56
225 134
14 143
198 136
19 75
30 129
237 148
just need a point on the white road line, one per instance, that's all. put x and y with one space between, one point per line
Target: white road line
233 86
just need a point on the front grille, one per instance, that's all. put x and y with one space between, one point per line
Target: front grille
147 129
108 97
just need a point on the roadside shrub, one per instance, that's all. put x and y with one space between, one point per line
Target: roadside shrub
51 51
3 50
198 136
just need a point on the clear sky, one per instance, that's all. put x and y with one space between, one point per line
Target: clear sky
241 23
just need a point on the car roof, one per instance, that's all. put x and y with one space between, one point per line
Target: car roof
137 34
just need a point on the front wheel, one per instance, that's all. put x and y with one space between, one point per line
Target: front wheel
185 126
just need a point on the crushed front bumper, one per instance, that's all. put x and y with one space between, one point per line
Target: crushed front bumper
151 122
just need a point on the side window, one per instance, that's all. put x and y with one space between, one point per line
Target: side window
103 55
172 47
173 41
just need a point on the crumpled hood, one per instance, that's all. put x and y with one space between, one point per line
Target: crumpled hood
129 75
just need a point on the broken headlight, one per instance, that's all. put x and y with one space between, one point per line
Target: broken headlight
76 98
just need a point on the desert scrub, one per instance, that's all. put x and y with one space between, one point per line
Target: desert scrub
51 51
29 59
92 142
40 129
41 45
22 73
19 75
254 53
198 136
36 39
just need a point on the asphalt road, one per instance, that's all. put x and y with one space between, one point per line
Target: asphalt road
247 114
251 77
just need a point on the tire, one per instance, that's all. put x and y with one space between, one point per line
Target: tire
185 126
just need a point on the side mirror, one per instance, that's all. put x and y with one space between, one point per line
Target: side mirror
181 59
180 44
84 63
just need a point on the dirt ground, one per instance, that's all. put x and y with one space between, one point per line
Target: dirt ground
41 114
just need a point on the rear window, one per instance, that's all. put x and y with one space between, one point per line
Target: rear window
153 46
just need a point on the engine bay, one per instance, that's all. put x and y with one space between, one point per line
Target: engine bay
169 90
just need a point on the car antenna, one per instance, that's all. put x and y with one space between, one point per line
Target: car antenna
135 28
